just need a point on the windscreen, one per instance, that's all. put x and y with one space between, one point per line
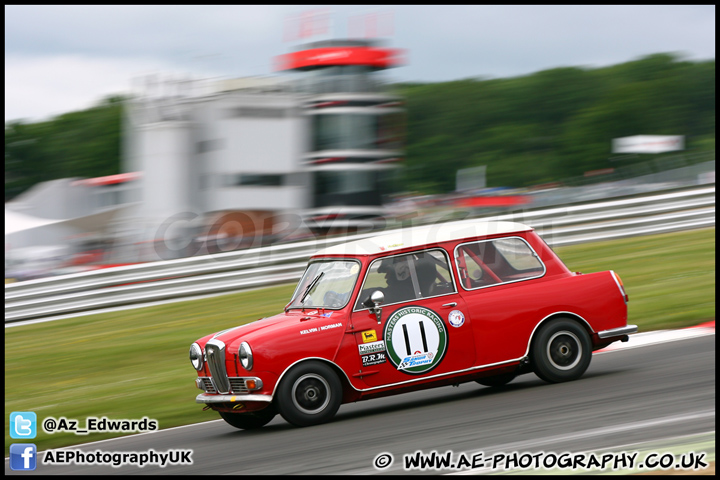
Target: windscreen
326 284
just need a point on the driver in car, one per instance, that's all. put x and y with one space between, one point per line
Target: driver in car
397 275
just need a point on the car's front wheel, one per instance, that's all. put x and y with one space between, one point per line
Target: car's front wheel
250 420
562 351
310 394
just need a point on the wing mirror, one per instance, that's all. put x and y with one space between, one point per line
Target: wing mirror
373 303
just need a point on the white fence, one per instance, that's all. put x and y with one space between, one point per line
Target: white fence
233 271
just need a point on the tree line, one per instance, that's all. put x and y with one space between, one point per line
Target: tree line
553 124
78 144
526 130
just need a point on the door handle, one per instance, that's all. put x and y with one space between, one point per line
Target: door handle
451 304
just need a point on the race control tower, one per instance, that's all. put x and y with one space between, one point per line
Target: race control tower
356 129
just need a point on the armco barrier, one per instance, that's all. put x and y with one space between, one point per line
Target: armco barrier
238 270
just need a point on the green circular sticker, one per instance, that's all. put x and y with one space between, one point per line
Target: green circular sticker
415 339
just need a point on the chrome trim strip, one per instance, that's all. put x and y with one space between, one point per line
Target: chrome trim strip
391 384
203 398
614 332
222 332
479 367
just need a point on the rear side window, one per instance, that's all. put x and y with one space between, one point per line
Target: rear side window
493 262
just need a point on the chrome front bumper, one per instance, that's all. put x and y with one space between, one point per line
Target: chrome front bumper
205 398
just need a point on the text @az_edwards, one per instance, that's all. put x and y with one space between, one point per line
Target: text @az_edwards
96 425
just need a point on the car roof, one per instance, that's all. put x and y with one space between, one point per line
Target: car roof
419 236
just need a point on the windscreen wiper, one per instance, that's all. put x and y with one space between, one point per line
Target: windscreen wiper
310 287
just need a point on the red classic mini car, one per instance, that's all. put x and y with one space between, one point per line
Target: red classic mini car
418 308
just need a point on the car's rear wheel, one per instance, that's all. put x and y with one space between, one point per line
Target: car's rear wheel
310 394
497 380
561 351
250 420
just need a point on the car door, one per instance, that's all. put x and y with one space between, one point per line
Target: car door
423 329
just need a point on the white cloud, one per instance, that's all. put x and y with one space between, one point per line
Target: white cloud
466 41
37 88
63 58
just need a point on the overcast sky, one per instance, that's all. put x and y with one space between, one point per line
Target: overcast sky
64 58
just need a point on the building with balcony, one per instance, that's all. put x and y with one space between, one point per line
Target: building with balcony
321 139
355 128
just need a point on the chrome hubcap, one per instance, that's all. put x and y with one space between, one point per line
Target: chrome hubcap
311 394
564 350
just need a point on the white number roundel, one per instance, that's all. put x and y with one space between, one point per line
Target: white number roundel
416 339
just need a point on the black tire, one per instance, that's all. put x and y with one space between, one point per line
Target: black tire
561 351
250 420
309 394
497 380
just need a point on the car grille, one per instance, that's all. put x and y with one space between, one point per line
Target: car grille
207 384
215 353
238 385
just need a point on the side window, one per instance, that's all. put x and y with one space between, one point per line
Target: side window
433 273
492 262
402 278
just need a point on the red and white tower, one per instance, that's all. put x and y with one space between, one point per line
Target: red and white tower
356 129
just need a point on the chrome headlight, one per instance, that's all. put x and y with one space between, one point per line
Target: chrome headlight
196 356
245 354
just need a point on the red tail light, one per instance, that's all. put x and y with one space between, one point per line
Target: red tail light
620 285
